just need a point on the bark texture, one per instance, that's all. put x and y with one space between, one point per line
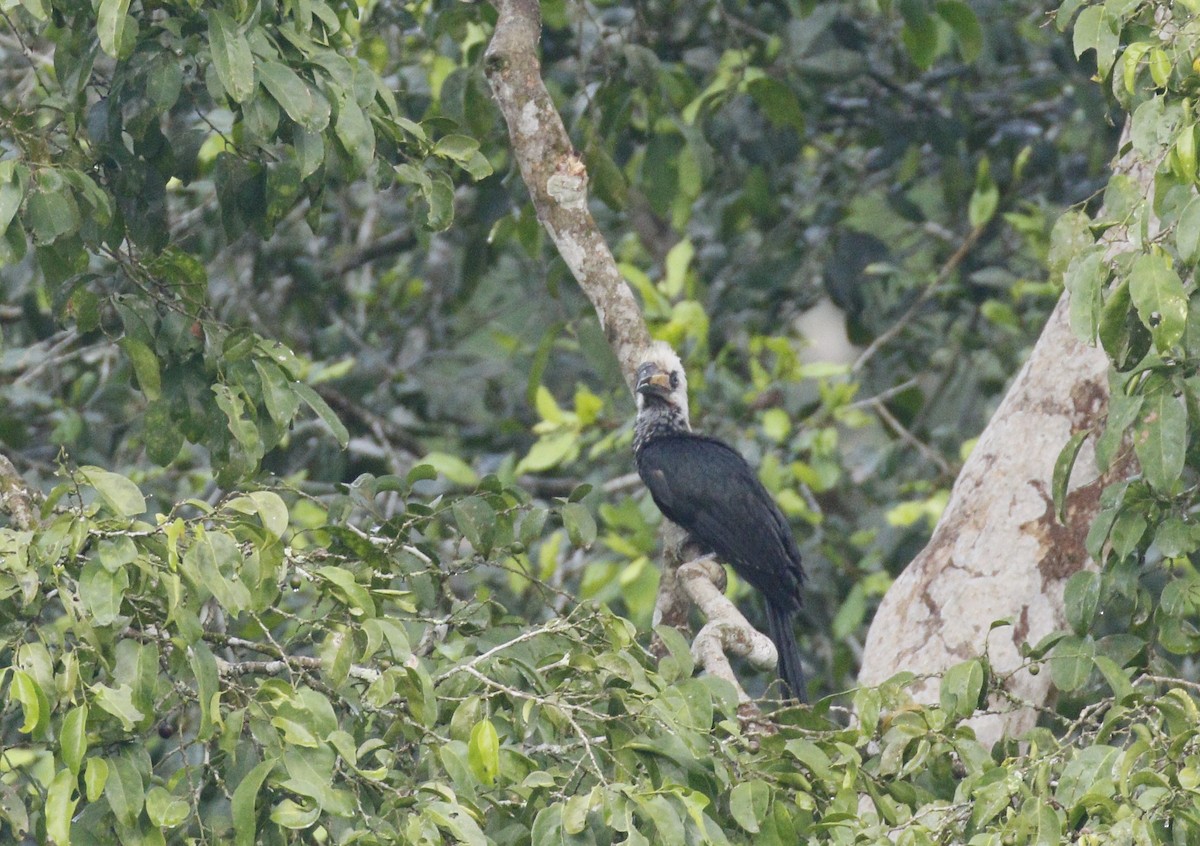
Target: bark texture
999 552
557 179
16 497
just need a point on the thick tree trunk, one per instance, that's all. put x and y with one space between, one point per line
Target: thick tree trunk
999 553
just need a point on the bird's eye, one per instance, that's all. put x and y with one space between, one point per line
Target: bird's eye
674 380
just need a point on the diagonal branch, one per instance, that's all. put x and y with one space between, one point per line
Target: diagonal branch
16 497
557 179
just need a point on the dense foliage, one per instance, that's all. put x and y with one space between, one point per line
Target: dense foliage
337 538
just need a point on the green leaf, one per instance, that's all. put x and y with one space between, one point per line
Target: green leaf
303 104
1084 280
72 738
245 797
243 429
1123 409
293 815
204 668
1095 29
1116 678
456 820
120 495
452 467
110 25
51 211
579 523
268 505
477 521
679 257
214 563
34 704
1071 236
102 592
749 802
40 9
661 812
483 752
125 790
231 56
95 778
60 807
118 701
458 148
549 451
1127 531
354 130
165 809
982 206
962 20
1062 472
961 689
145 366
1081 597
1160 437
778 102
279 396
919 33
160 433
1121 332
353 595
1071 662
13 177
1187 232
1157 292
317 404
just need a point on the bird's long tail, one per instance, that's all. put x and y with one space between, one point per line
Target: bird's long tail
779 626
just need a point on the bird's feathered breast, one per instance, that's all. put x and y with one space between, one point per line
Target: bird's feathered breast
706 487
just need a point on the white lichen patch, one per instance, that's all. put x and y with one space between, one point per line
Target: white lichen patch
528 124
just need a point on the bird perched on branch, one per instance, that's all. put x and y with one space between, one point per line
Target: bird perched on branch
707 488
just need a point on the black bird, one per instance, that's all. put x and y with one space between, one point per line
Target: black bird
707 488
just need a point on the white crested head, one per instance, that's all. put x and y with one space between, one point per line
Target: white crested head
662 382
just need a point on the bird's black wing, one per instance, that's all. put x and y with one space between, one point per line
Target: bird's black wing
704 486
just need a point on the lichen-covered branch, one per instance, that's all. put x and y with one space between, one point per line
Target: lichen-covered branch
16 497
726 632
557 179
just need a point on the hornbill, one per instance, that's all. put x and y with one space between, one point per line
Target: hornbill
704 486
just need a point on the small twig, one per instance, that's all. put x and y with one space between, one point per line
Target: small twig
884 396
909 438
951 264
553 627
564 707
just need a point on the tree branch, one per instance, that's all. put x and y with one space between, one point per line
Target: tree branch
557 179
16 497
727 632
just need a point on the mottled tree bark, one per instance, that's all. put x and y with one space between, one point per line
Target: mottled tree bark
557 179
998 551
16 497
